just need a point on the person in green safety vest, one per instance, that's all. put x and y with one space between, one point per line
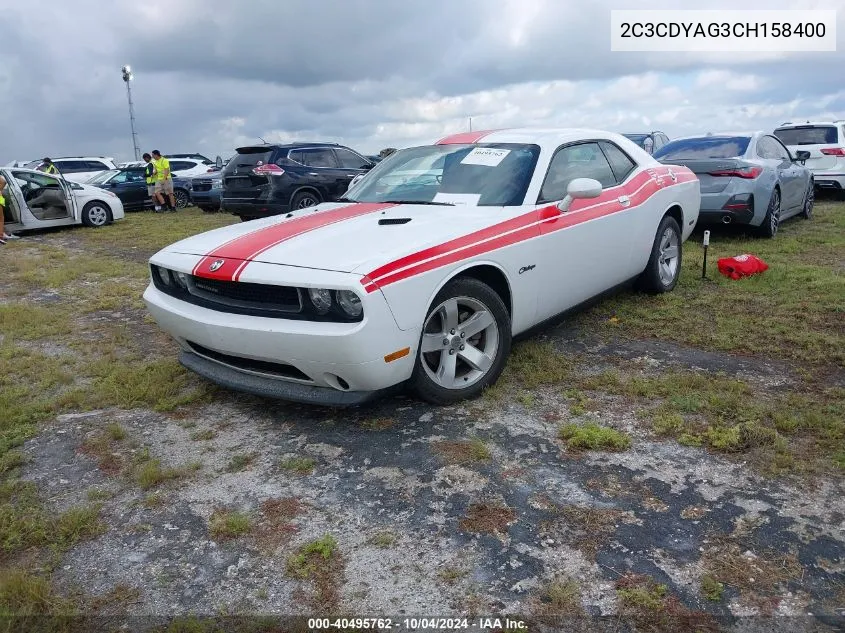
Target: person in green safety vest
164 180
150 178
48 167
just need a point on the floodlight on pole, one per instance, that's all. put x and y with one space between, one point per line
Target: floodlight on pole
127 78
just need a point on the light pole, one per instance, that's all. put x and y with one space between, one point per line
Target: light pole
127 77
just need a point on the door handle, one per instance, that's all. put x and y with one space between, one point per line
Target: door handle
313 173
624 200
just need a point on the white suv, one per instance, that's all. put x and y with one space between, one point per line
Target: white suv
825 141
79 168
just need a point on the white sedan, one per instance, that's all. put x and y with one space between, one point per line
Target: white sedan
424 279
35 200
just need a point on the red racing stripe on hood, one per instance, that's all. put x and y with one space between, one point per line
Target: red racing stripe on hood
230 258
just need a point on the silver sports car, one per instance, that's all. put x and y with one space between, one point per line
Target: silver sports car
746 178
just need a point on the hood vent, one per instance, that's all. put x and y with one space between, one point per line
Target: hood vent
385 221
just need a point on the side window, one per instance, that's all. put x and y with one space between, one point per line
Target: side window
121 177
319 157
95 165
180 165
134 175
350 160
620 162
584 160
296 156
70 166
778 149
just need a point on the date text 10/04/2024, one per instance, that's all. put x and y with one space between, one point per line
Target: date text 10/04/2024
418 624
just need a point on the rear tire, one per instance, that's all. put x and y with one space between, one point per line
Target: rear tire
664 265
771 222
809 201
303 200
467 338
96 214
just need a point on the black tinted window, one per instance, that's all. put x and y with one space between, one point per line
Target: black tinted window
704 147
350 160
180 165
95 165
318 157
585 160
619 161
808 135
71 166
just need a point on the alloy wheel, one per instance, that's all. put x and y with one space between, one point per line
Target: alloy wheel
460 342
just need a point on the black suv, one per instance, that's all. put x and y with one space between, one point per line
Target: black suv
270 179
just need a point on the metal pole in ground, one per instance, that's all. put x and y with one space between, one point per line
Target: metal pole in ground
127 77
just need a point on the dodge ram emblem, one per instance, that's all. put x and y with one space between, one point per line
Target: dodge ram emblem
215 265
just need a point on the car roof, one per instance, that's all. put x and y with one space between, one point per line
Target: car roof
746 133
537 136
297 145
790 124
82 158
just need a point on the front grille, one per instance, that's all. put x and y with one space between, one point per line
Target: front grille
202 185
280 370
239 297
266 296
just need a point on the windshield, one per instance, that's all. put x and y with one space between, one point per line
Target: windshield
704 147
102 177
489 174
808 135
639 139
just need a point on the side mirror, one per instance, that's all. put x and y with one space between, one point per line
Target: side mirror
802 155
578 189
218 162
368 166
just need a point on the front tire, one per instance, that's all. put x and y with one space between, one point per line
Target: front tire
664 265
465 343
96 214
771 222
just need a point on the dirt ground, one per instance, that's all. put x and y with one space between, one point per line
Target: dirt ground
401 509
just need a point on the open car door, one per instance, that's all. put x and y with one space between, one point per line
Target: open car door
70 199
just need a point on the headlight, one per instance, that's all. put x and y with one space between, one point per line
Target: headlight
163 274
350 303
321 298
180 278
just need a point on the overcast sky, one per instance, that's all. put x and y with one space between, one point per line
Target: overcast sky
212 75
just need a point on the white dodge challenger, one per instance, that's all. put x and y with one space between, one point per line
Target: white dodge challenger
427 269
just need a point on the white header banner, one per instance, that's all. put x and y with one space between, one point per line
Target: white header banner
709 31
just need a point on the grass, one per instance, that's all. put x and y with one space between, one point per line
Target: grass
650 606
560 597
486 518
711 589
585 527
385 539
321 563
463 452
240 461
298 465
793 309
274 526
592 436
25 523
779 430
203 436
149 473
228 524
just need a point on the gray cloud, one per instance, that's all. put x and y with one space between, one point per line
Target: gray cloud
212 74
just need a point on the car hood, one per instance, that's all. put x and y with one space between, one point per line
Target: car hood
342 237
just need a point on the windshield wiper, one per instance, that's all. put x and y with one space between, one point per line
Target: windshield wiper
440 204
346 200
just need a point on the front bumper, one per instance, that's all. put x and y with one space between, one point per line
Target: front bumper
252 208
303 361
231 378
210 199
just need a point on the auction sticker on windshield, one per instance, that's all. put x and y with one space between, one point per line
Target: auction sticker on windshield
485 156
458 198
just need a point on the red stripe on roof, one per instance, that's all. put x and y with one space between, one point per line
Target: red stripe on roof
465 137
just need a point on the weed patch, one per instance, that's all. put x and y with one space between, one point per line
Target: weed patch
593 436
